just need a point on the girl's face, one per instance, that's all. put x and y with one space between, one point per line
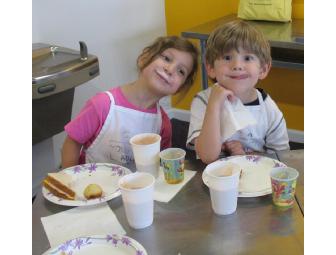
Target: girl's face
238 72
166 74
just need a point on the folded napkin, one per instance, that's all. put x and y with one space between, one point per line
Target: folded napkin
234 117
164 192
81 221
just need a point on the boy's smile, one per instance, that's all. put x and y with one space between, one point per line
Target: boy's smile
239 77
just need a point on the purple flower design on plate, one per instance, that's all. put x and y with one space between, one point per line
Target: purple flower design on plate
78 243
65 246
88 240
117 170
126 240
77 169
139 252
121 172
253 158
108 238
92 167
115 241
112 239
278 164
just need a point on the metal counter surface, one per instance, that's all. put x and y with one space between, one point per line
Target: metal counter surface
295 159
188 225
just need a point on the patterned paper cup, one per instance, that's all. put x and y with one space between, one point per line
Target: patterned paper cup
172 162
283 181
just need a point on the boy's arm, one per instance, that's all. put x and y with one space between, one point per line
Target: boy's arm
208 143
70 152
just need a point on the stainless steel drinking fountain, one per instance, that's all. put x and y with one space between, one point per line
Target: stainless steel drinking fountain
56 72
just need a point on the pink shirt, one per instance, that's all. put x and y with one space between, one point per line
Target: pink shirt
86 126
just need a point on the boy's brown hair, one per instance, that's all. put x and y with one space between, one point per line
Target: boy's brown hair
234 35
150 53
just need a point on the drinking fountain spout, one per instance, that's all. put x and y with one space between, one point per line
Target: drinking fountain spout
83 50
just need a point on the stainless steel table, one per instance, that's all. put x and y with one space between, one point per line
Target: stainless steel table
295 159
187 225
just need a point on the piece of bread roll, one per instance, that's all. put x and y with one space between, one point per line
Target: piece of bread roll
93 191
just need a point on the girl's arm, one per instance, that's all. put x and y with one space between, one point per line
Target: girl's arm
70 152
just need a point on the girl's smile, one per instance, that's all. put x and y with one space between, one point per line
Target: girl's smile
163 76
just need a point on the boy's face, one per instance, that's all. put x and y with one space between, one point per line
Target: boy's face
238 72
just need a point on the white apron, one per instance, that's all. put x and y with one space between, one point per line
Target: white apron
112 143
253 137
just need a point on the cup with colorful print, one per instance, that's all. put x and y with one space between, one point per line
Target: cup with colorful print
172 162
283 181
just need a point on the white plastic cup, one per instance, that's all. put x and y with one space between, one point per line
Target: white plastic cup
146 149
222 178
137 192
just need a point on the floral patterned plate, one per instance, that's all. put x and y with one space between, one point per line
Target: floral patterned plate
104 174
99 245
255 178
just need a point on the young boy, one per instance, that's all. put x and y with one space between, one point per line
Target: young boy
237 56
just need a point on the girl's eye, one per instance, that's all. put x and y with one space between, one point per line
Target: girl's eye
182 72
166 58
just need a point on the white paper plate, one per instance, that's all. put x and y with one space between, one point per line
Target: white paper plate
99 245
104 174
255 178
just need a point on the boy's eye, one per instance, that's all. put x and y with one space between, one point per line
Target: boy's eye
249 58
227 57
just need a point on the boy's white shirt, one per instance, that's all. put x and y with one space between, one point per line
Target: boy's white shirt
267 135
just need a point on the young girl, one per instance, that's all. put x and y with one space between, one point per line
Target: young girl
101 131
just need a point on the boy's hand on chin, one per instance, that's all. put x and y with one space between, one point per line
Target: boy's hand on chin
234 148
220 94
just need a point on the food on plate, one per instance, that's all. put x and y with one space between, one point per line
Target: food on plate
93 191
226 170
59 185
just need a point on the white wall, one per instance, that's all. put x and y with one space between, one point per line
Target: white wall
114 30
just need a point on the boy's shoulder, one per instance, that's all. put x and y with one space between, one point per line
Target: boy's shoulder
205 94
263 93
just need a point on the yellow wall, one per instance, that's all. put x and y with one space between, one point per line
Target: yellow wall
284 86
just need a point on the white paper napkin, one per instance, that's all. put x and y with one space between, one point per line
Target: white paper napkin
234 117
81 221
164 192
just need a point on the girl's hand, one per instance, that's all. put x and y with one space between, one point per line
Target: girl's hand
233 148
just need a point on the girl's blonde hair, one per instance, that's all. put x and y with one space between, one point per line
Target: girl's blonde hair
150 53
234 35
